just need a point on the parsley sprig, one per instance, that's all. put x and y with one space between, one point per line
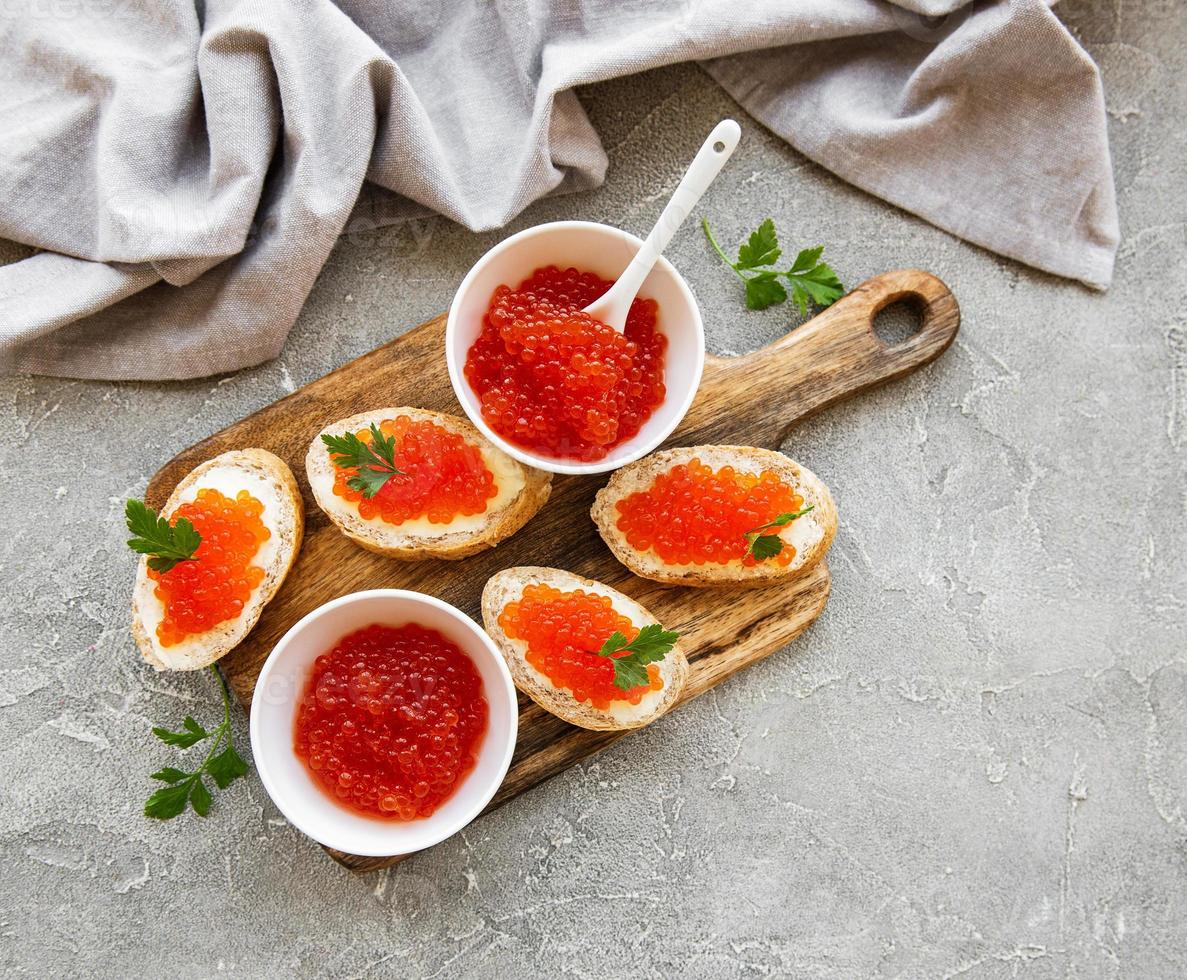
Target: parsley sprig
762 546
374 460
222 764
651 644
810 279
166 544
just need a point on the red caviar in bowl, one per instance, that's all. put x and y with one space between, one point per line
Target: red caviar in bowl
563 632
391 721
442 476
558 382
695 515
215 586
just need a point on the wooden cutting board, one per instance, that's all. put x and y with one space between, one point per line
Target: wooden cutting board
750 400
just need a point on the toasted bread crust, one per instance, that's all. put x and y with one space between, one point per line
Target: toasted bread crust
639 475
390 540
508 585
223 638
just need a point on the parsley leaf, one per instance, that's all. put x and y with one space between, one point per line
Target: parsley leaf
154 536
374 460
762 546
811 280
651 644
629 673
764 290
224 766
191 734
784 519
200 797
818 282
761 249
766 546
806 260
167 803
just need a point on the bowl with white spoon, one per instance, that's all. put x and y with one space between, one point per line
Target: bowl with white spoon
636 268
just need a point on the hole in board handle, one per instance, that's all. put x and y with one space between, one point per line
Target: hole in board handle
719 147
899 321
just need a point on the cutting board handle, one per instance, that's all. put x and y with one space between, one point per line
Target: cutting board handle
834 355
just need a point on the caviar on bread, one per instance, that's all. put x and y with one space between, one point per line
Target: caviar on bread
213 558
716 516
589 654
411 484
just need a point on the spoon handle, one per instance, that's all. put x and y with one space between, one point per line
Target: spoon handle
705 167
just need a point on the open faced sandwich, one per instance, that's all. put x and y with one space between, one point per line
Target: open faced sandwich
412 484
580 649
214 557
716 516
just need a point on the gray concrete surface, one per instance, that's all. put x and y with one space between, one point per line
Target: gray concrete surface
975 763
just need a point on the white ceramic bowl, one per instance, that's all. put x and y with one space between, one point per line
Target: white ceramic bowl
274 708
605 251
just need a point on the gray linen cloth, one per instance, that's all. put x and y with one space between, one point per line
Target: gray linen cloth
185 166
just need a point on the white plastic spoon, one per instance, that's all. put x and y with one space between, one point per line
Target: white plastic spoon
612 306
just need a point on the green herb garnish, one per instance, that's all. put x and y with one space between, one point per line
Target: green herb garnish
810 279
375 461
165 544
652 644
222 764
762 546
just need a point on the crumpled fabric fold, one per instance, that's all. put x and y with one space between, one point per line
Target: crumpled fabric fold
185 168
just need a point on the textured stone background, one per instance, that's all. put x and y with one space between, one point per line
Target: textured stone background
974 764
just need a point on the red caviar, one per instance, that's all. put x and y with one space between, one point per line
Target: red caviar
693 515
563 632
555 380
215 586
391 721
442 476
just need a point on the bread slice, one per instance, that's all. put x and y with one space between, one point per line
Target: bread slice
811 534
271 482
508 585
522 492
